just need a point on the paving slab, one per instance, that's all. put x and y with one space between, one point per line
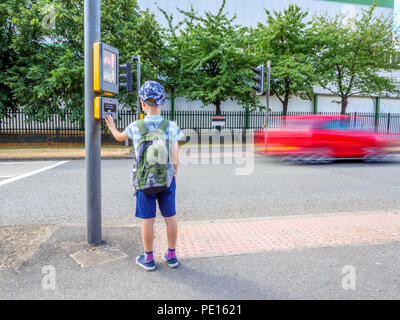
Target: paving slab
220 238
97 255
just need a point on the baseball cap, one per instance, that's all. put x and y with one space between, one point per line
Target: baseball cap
152 89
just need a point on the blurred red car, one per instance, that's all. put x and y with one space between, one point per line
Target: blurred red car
324 138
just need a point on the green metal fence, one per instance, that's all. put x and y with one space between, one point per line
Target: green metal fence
63 125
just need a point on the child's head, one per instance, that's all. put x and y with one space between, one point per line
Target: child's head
152 97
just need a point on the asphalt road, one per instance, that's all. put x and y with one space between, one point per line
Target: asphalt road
43 193
204 192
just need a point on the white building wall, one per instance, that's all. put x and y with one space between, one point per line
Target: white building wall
182 105
296 104
361 104
390 105
250 12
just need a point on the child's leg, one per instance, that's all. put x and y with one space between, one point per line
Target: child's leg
172 231
148 234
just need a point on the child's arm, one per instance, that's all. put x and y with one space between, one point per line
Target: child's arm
119 136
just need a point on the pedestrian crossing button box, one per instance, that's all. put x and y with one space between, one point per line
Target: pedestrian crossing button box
104 107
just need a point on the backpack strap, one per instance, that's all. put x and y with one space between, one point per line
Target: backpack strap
164 124
142 127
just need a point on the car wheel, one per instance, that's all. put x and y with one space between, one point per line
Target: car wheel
318 156
374 155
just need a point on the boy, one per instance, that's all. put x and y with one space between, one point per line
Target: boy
152 98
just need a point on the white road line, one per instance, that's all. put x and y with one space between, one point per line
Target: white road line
22 176
4 177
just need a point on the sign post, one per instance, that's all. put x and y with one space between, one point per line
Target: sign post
92 127
101 77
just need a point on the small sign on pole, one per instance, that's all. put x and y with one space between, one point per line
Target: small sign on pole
218 121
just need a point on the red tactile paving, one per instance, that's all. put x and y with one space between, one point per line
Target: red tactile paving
220 238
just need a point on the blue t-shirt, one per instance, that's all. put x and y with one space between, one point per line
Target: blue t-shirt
173 133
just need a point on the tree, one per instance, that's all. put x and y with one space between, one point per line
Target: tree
171 71
396 58
355 58
49 71
213 63
285 41
8 55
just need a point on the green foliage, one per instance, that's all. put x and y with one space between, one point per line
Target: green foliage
171 70
208 59
353 57
8 56
285 41
49 70
204 57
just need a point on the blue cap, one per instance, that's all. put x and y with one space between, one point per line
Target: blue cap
152 89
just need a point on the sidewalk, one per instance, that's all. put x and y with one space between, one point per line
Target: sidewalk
263 258
109 151
27 153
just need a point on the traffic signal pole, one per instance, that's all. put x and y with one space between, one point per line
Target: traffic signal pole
268 91
92 127
139 107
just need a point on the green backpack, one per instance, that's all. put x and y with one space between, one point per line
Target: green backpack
150 173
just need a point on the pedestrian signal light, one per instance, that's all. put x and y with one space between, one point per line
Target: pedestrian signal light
259 79
105 59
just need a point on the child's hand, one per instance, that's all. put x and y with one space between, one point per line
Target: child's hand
119 136
110 122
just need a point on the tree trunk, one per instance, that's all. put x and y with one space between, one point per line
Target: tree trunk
218 107
285 105
344 105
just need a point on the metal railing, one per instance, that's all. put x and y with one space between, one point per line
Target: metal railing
65 125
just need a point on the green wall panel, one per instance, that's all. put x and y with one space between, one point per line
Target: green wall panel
381 3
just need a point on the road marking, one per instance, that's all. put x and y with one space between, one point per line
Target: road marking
22 176
5 177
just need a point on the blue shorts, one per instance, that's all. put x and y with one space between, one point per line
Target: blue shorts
146 204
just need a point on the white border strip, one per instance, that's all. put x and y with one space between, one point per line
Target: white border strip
22 176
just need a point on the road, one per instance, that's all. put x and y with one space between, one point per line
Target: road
321 220
205 192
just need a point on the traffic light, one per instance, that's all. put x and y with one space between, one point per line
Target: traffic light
259 79
127 76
